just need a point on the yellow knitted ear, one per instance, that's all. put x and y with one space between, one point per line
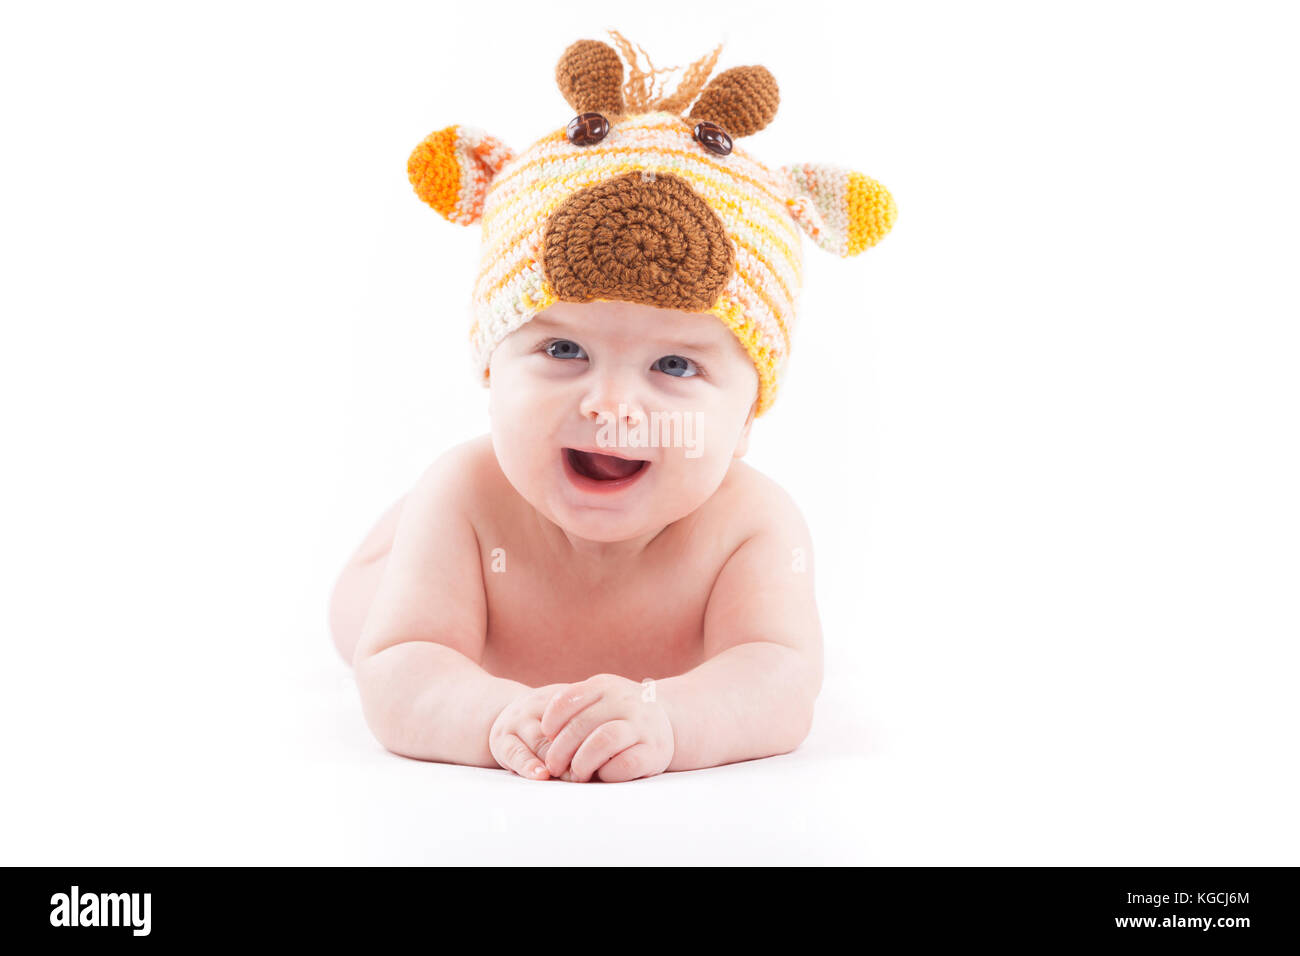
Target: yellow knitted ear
452 168
842 210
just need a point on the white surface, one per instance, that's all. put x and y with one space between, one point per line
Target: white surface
1044 434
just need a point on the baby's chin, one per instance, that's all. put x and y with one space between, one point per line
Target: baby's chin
608 520
608 524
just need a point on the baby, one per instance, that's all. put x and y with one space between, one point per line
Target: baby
600 588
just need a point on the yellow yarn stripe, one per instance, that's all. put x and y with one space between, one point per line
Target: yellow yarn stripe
785 290
733 316
757 290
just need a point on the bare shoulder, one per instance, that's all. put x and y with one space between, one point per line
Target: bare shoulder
764 590
453 470
457 479
766 507
432 588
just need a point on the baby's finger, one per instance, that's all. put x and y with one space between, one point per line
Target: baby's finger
566 743
628 765
530 732
565 704
602 744
514 755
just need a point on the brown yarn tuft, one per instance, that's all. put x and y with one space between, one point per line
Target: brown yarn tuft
639 94
642 239
692 80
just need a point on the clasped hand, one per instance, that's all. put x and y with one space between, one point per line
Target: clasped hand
605 727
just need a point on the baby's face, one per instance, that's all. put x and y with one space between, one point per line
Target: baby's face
681 382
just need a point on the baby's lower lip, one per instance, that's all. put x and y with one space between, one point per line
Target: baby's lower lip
595 486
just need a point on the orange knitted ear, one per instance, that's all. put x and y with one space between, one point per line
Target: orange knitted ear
843 211
452 168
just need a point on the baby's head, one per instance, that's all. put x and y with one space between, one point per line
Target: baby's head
620 247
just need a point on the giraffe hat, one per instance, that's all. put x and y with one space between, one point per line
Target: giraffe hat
637 200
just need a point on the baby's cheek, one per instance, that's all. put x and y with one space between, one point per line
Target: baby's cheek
687 489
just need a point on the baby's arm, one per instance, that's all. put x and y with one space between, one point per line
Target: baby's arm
423 692
753 696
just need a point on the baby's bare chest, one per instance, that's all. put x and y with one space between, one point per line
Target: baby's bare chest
545 627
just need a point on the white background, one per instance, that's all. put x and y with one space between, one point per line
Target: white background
1045 434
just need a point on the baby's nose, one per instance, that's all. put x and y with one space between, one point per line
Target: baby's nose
612 399
614 412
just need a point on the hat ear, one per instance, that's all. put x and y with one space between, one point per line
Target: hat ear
842 210
742 100
590 76
452 169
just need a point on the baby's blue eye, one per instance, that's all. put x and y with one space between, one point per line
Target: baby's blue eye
677 366
564 349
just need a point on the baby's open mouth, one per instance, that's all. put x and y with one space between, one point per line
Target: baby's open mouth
602 467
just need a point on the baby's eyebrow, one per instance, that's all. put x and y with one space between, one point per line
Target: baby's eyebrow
711 347
548 323
693 346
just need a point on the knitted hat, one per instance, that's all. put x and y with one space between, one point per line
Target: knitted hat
634 201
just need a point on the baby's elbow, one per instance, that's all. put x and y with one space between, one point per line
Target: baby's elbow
349 605
797 727
804 726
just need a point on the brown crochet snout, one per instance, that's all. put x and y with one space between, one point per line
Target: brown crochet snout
640 237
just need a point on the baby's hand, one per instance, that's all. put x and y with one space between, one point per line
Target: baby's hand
605 727
516 734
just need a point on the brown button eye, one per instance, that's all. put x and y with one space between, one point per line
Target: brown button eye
587 129
712 138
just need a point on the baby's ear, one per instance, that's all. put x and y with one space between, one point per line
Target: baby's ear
742 446
452 169
843 211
